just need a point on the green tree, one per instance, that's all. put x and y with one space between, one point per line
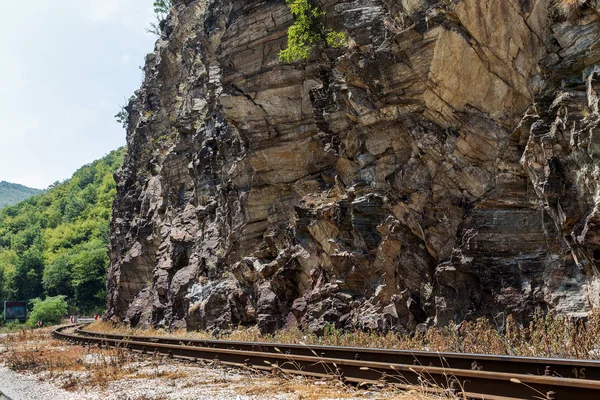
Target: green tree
8 260
308 32
28 274
50 310
57 277
11 193
88 274
26 238
74 206
161 10
56 243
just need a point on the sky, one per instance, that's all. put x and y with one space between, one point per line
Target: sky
66 67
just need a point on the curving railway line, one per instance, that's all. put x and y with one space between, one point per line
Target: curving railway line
473 376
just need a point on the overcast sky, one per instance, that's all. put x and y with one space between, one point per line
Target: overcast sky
65 68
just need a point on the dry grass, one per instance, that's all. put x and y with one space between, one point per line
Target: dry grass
545 336
570 9
73 366
36 351
332 390
108 327
320 390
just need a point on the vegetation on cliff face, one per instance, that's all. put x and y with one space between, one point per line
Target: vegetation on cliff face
12 193
55 243
161 10
308 32
162 6
570 9
123 115
342 192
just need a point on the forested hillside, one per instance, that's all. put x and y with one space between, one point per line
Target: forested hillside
12 193
55 243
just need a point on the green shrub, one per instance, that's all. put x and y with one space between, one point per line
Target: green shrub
162 6
49 311
308 32
12 326
122 116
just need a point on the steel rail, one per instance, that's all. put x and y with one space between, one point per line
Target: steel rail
557 367
472 383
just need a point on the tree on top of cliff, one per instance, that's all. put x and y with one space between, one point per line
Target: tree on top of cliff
308 32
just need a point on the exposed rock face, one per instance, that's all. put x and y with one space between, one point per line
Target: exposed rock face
444 166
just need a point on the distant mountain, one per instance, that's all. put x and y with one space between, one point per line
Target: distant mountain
12 193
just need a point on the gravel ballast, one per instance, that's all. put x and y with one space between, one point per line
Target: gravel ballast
22 387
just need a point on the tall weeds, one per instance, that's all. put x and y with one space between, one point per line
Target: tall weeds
570 9
544 336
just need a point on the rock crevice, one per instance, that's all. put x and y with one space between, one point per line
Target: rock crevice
443 166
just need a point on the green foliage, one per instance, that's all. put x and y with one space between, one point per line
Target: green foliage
56 243
57 276
12 193
162 6
122 116
161 10
50 310
8 261
308 32
11 325
88 274
335 39
28 274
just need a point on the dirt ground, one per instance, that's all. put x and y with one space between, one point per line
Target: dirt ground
34 365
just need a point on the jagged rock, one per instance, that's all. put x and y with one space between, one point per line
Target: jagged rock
443 166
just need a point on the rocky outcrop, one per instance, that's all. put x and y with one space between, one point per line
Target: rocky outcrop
442 166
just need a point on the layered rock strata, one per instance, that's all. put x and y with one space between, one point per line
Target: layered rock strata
443 166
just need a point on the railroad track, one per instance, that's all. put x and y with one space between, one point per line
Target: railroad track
465 375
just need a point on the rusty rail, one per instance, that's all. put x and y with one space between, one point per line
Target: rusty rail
491 377
564 368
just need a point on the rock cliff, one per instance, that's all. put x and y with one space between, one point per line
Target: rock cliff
444 165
